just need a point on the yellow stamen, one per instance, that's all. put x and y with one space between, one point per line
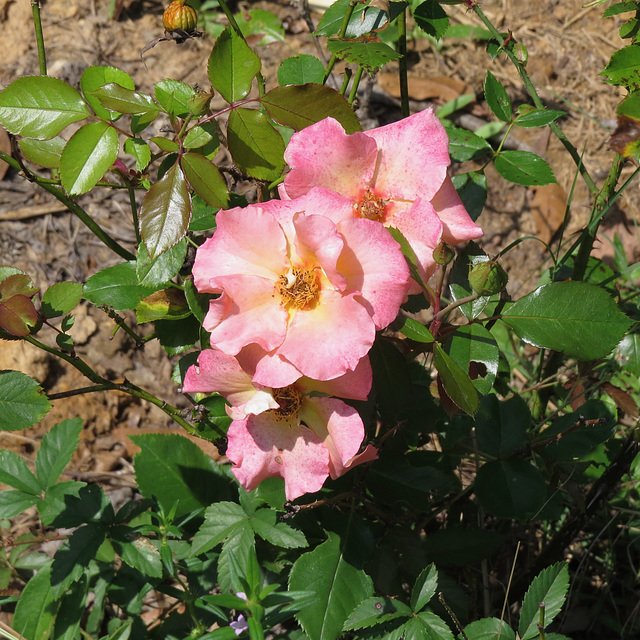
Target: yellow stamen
298 288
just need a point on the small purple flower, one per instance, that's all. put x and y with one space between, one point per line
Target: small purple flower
239 625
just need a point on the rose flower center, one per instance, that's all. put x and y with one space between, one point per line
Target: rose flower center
290 400
370 206
298 288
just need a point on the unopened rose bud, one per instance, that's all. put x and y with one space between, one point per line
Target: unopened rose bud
488 278
444 253
199 103
179 16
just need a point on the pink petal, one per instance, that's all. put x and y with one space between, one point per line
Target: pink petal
327 341
414 155
422 229
323 155
354 385
263 447
246 241
456 222
275 371
248 311
374 265
339 425
221 373
318 201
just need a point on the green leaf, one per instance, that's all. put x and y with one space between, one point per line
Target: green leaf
222 520
15 472
14 502
302 105
623 69
40 107
139 149
501 426
203 217
618 8
472 189
627 353
523 167
116 287
392 381
173 96
95 77
511 488
165 212
424 589
17 315
141 553
73 557
489 629
264 523
121 100
56 448
455 381
370 55
176 471
61 298
70 611
461 547
465 145
375 611
577 318
459 102
415 330
550 587
22 401
165 145
87 156
178 336
364 19
154 273
537 117
46 153
205 179
475 350
256 22
497 98
431 18
200 135
339 586
36 609
232 66
427 626
300 69
55 501
255 145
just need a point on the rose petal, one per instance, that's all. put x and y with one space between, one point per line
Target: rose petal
263 447
374 265
457 225
330 339
414 156
323 155
354 385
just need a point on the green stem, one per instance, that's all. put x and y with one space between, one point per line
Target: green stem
99 232
37 23
234 25
354 86
586 176
601 205
139 340
340 34
134 208
402 70
345 81
126 386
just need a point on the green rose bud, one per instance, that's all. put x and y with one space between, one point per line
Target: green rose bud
488 278
444 253
199 103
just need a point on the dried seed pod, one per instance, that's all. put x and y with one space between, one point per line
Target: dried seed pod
179 16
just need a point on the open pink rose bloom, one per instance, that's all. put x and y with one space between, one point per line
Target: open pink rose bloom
286 432
305 282
396 175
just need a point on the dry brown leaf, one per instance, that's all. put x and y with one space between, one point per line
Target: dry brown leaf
622 399
5 145
548 208
439 88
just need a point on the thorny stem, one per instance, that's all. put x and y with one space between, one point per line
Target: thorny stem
126 386
37 23
121 324
586 176
84 217
340 34
402 63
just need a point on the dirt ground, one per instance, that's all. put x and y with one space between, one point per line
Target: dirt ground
568 46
